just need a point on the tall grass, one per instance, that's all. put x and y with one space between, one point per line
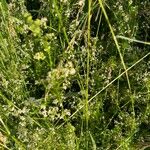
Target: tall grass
74 75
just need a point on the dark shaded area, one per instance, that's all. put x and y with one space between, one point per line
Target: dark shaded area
144 22
8 1
33 6
37 91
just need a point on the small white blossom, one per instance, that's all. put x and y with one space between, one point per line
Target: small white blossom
63 1
39 56
81 3
72 71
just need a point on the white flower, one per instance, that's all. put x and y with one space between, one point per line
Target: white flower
81 2
63 1
2 138
72 71
39 56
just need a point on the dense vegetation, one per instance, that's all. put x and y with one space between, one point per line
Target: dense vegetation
74 74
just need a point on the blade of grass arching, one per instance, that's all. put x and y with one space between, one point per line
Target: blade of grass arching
132 40
116 42
107 86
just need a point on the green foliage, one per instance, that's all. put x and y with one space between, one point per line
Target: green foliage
74 74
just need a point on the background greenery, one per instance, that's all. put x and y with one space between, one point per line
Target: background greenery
74 74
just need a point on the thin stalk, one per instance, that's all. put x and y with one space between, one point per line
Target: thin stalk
116 42
87 71
119 51
99 22
132 40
